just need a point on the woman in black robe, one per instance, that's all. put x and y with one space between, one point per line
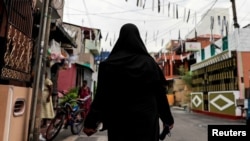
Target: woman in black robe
131 92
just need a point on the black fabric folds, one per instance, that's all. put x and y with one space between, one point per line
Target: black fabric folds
131 93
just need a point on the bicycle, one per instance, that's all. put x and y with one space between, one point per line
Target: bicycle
67 115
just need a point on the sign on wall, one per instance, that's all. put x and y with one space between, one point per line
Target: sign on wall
192 46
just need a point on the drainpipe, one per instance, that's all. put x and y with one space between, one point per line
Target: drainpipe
34 129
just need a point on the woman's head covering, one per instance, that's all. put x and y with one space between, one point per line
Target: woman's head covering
130 58
128 46
129 41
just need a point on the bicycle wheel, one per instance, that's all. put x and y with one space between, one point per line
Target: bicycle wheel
55 126
77 122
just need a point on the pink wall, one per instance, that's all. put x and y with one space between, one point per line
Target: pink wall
246 68
66 78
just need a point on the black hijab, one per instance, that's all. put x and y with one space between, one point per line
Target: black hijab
131 58
129 41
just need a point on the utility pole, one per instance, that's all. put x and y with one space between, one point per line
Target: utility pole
47 40
236 25
35 118
247 96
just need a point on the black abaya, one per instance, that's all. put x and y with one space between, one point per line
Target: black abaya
131 92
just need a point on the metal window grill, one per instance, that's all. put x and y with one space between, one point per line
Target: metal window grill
20 15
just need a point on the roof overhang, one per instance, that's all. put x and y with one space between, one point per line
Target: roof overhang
84 65
60 35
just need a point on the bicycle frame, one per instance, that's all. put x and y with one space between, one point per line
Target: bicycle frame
67 115
69 111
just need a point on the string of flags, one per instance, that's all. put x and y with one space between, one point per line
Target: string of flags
170 6
171 10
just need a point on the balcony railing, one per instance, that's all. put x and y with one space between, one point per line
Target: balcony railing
93 46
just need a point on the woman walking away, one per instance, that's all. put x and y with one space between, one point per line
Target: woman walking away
131 92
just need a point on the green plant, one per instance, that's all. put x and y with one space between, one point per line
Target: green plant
70 95
186 75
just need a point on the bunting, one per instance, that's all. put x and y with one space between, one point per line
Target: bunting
176 11
168 9
110 43
153 4
195 33
219 21
106 37
222 27
226 28
159 6
224 18
211 28
188 15
225 24
172 9
144 4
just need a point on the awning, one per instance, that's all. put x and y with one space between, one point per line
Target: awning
214 59
60 35
84 65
